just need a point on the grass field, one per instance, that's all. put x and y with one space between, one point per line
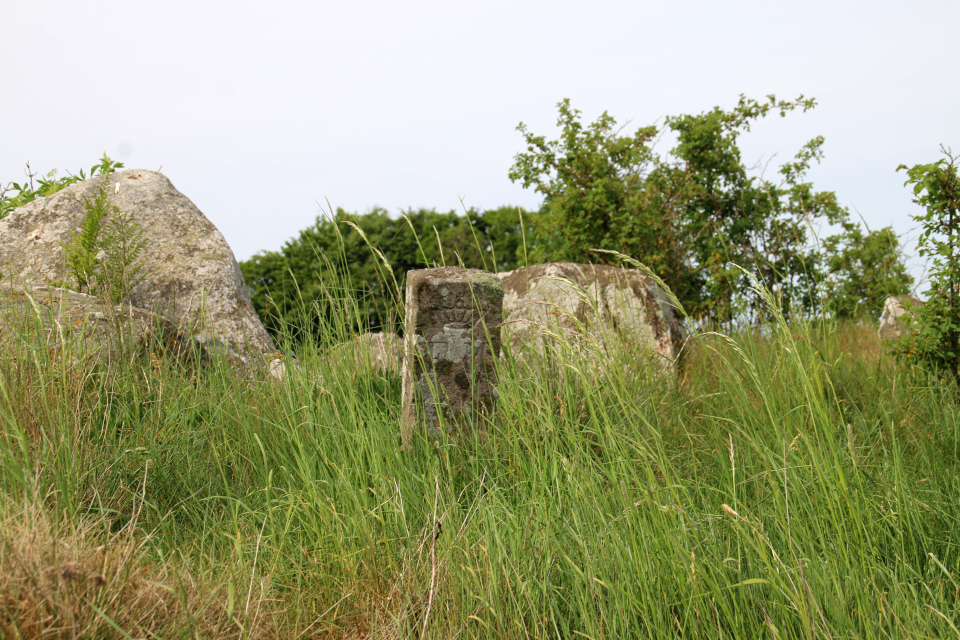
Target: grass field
794 483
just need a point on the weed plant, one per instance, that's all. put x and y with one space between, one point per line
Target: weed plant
104 257
793 483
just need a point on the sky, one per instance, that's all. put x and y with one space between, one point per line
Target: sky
263 112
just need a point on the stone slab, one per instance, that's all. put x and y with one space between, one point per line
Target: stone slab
589 308
452 338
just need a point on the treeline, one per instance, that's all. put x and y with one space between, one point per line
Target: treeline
703 220
370 254
696 216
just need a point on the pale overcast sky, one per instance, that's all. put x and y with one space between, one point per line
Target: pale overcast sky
258 111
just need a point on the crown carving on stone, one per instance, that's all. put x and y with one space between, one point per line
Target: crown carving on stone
457 316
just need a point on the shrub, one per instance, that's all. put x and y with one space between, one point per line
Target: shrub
935 341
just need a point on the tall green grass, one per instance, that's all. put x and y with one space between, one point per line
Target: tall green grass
793 483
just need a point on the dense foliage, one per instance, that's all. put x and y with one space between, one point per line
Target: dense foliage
696 215
936 340
373 252
860 268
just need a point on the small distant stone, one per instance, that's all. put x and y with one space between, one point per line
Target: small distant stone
383 352
891 328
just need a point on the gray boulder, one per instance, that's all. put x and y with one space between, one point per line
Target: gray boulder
191 275
589 307
893 310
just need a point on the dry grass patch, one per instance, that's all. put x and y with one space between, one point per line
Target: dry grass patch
64 580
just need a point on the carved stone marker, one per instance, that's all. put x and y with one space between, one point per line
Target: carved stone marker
452 329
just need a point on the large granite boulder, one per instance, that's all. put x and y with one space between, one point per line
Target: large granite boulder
590 306
81 326
893 309
191 275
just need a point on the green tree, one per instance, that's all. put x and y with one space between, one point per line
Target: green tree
936 187
863 269
288 284
347 254
490 240
690 215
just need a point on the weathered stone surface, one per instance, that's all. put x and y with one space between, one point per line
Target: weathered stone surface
592 304
452 337
192 277
84 326
383 352
893 310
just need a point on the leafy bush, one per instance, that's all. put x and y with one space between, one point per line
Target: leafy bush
372 252
862 270
935 341
695 213
121 268
82 249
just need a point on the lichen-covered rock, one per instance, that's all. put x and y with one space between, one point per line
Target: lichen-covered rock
589 305
191 275
83 326
452 336
893 310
